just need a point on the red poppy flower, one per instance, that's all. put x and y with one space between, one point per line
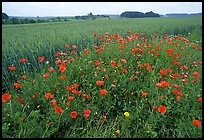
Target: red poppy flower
163 72
76 92
200 99
33 96
178 98
23 60
68 88
195 73
87 113
154 107
17 85
49 95
97 62
20 100
113 63
103 92
94 34
63 77
67 46
123 60
74 47
46 75
58 110
23 77
73 114
51 69
176 86
12 68
62 69
104 117
162 109
6 97
86 51
67 103
54 103
41 59
74 86
86 96
99 83
144 94
196 123
71 98
124 71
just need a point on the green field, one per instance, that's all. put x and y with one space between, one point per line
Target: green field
148 60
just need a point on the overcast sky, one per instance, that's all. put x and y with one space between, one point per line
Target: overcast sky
83 8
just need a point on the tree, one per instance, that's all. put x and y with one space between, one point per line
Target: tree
132 14
5 16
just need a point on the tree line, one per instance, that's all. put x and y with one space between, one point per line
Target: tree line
133 14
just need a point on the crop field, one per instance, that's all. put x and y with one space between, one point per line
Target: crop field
108 78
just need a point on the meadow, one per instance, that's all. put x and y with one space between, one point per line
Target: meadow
126 78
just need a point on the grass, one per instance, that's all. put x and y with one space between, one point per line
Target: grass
133 85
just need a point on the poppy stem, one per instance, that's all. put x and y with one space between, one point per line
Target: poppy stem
11 108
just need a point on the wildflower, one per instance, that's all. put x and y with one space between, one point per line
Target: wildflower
99 83
62 67
200 99
162 109
123 60
23 77
103 92
176 86
163 72
33 96
51 69
163 84
178 98
20 100
5 97
124 71
87 113
67 103
74 86
67 46
195 73
126 114
63 77
73 114
71 98
49 95
46 75
54 103
144 94
86 51
104 117
154 107
23 60
113 63
116 132
58 110
76 92
86 96
196 123
12 68
17 85
41 59
97 62
68 88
